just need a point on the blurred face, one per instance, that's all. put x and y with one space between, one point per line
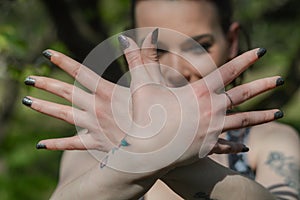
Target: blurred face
196 19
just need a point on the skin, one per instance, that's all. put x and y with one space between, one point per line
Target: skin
198 18
90 182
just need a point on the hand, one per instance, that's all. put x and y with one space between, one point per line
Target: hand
86 113
88 117
143 65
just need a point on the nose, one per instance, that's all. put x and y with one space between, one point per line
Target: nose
178 71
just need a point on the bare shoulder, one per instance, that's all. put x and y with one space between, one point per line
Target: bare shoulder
276 158
274 131
272 137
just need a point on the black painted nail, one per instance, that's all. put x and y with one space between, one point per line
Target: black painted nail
47 54
41 146
245 149
29 81
261 52
124 43
154 36
27 101
278 115
279 81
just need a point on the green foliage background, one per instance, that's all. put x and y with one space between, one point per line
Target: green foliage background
27 27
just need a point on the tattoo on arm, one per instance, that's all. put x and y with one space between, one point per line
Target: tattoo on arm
285 167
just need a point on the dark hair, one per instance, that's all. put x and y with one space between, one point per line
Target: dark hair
224 10
225 15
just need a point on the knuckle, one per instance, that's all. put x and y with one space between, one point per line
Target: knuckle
227 149
107 96
201 92
42 83
71 143
235 148
57 59
267 116
246 94
249 56
38 107
233 70
57 144
270 84
71 146
245 121
76 70
207 114
202 137
133 58
64 114
99 114
149 55
66 91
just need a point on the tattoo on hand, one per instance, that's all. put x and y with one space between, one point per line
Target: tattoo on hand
104 161
285 167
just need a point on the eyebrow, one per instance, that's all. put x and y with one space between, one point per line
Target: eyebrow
192 39
197 38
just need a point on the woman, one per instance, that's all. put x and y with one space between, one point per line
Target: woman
212 20
193 18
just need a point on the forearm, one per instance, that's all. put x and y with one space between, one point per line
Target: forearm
207 179
240 187
107 183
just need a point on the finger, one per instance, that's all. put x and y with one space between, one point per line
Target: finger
82 141
245 119
132 52
244 92
70 143
228 147
229 71
81 73
58 111
148 50
67 91
150 58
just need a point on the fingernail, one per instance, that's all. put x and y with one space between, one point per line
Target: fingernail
261 52
41 146
278 115
154 36
279 81
124 43
245 149
47 54
27 101
29 81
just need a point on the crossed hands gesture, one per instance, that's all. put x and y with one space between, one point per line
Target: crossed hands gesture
150 119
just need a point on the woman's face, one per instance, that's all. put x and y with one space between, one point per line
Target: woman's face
196 19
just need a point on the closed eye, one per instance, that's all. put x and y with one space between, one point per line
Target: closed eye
198 48
198 44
